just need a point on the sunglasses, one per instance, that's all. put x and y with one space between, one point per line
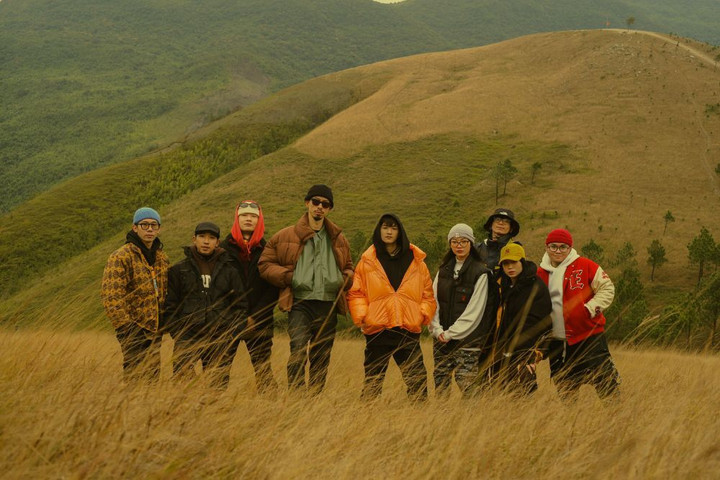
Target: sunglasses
249 204
317 201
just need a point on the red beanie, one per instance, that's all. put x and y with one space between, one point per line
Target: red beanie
559 235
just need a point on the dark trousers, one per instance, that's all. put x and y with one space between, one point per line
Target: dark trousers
405 349
516 375
588 361
141 352
311 325
215 349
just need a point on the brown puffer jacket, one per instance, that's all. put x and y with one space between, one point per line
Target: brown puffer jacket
129 293
282 252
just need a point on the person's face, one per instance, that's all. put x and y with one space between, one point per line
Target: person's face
512 268
318 207
206 243
557 252
500 226
147 229
248 222
460 247
389 233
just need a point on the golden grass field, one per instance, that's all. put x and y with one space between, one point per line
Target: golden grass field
65 413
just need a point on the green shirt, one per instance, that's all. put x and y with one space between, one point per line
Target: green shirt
317 276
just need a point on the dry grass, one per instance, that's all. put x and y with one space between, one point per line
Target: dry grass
64 413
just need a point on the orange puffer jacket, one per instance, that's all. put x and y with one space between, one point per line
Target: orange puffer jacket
375 305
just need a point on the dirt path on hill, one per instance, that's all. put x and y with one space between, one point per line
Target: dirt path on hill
708 59
673 41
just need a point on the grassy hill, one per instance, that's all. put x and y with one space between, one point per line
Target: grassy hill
88 83
624 126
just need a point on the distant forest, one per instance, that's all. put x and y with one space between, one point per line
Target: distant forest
87 83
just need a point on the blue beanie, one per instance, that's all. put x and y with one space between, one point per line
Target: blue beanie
145 212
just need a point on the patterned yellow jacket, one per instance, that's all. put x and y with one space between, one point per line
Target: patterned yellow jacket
132 290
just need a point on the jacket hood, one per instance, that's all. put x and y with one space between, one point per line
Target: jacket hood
257 236
546 265
402 239
529 271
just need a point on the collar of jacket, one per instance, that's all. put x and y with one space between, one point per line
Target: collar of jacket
216 255
304 231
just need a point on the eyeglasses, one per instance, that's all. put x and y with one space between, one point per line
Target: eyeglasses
459 243
317 201
502 220
554 247
149 226
249 204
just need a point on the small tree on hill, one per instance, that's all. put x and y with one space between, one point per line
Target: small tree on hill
509 172
629 306
535 169
625 257
656 257
593 251
630 21
710 298
503 172
702 249
668 218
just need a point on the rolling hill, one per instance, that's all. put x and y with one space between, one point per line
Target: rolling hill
624 125
86 83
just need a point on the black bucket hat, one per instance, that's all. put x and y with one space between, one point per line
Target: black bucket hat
505 213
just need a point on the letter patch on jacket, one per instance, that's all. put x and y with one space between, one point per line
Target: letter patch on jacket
576 281
206 280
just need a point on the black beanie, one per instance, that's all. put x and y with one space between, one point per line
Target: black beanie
320 191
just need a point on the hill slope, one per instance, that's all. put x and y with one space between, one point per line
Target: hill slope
91 83
625 127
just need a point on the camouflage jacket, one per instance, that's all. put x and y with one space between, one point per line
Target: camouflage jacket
133 291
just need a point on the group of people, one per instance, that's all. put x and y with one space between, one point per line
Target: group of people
493 314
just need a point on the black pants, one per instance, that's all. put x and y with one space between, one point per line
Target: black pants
516 375
141 352
311 325
588 361
402 346
214 348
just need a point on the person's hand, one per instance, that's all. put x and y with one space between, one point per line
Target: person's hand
538 356
442 338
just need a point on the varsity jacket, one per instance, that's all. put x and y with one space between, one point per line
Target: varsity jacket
580 291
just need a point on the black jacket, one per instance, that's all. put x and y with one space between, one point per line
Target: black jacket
489 251
525 316
192 307
261 296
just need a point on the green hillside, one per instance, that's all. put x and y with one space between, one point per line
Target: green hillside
87 83
422 136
